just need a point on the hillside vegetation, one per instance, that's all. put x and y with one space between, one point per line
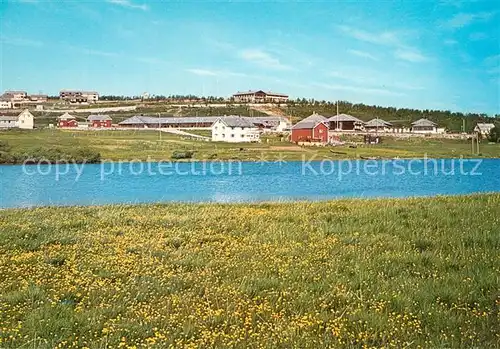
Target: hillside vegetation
296 109
416 273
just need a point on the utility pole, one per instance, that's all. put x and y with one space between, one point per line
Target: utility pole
337 121
159 125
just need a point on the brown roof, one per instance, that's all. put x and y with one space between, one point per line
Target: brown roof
269 93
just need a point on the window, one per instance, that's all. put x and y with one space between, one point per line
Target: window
232 135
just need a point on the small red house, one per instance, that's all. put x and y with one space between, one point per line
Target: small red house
312 129
67 120
99 121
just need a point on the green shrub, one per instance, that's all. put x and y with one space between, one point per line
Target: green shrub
494 135
177 155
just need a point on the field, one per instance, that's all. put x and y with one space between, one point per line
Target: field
351 273
147 145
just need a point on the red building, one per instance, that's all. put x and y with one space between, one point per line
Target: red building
99 121
67 120
312 129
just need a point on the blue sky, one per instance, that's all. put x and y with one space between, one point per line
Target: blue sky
420 54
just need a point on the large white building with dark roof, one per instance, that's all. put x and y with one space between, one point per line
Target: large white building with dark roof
260 96
235 129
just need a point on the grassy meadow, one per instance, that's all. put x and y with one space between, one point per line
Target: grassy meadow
147 145
413 273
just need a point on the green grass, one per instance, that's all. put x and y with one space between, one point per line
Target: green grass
343 274
147 145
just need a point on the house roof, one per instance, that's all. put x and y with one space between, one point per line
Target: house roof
15 92
152 120
377 123
98 117
269 121
25 111
424 123
66 116
344 118
78 91
237 121
8 118
485 127
310 122
255 91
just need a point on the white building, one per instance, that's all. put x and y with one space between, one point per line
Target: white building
73 96
25 120
426 126
5 104
378 125
260 96
8 121
484 129
235 129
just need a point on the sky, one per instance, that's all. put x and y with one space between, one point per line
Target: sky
419 54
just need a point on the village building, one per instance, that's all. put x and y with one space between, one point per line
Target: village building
67 120
79 97
271 123
17 95
425 126
234 129
38 98
263 123
99 121
484 129
345 122
188 122
25 120
5 103
378 125
260 96
313 129
7 121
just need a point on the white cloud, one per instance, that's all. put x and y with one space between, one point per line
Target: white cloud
450 42
129 4
388 38
372 78
263 59
363 54
410 55
371 91
20 42
219 73
202 72
477 36
461 20
99 53
494 71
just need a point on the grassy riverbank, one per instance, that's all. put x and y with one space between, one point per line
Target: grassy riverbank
147 145
403 273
